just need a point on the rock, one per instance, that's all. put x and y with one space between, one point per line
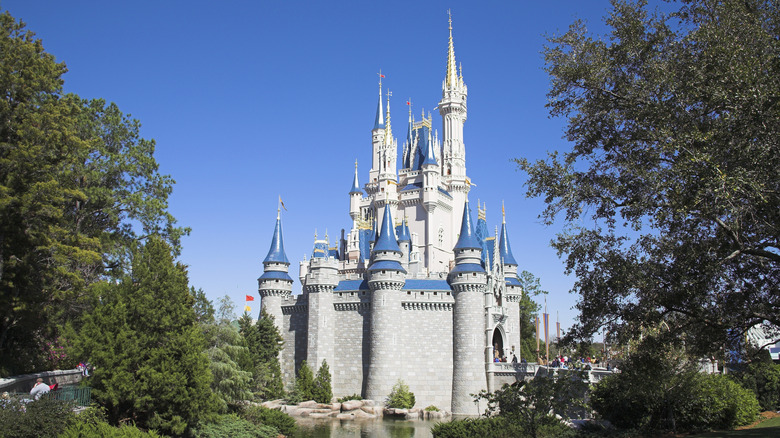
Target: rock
327 406
351 405
346 416
335 406
369 410
411 415
319 415
308 404
321 411
368 403
359 413
304 412
272 404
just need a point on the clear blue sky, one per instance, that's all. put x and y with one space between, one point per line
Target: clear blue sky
249 100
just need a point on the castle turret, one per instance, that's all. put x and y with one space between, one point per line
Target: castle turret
386 277
275 282
321 279
377 142
514 290
468 280
404 243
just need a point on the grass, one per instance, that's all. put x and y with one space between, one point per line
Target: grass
769 428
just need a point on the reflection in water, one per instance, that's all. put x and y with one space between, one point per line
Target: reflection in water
383 428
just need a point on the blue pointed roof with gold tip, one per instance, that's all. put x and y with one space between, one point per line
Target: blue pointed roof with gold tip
276 252
468 239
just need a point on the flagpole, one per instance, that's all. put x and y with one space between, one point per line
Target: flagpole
546 332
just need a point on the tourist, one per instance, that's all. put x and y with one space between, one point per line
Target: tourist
39 389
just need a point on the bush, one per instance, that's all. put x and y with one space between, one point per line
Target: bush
350 397
92 423
431 408
400 396
763 378
496 427
260 415
235 427
44 417
698 402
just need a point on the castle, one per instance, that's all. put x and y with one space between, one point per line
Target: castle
416 290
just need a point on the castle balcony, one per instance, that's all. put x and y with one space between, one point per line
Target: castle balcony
498 314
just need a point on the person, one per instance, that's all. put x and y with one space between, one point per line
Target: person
39 389
514 358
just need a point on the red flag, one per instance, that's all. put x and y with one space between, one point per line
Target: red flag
408 103
381 75
250 298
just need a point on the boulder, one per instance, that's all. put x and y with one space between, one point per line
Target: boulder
359 413
346 416
412 415
368 403
351 405
304 412
318 415
335 406
308 404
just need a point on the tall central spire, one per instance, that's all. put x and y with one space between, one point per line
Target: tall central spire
379 122
452 68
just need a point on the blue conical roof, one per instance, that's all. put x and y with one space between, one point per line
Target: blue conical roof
379 122
468 239
505 251
276 253
355 184
404 235
386 240
430 157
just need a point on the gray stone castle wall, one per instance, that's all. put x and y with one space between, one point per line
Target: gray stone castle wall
351 350
294 323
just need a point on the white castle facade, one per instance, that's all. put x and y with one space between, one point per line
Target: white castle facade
415 290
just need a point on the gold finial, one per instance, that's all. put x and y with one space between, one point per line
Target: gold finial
503 213
380 81
355 164
452 74
315 234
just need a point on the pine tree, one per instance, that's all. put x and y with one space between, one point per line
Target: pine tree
304 384
147 348
322 391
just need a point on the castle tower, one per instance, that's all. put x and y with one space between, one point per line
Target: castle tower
404 243
386 276
514 290
275 282
467 280
377 143
452 108
321 279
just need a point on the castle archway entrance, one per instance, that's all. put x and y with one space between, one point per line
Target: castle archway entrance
498 344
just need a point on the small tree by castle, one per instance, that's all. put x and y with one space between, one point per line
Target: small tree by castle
304 383
322 391
400 396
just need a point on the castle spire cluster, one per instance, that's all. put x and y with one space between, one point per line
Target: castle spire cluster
415 290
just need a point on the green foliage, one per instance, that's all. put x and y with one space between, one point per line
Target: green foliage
400 396
670 194
264 343
92 424
304 383
528 310
658 390
44 417
432 408
235 427
79 188
350 397
259 415
148 349
495 427
204 310
763 379
322 391
534 405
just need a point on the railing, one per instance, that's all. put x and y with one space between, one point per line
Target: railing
82 396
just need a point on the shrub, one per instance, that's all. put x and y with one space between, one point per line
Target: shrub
258 415
496 427
697 402
235 427
763 378
322 391
350 397
92 423
432 408
44 417
400 396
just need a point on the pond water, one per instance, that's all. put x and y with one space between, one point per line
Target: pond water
378 428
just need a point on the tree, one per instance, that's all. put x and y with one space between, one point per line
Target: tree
529 309
264 343
322 391
670 194
400 396
304 383
226 350
148 350
79 188
534 404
